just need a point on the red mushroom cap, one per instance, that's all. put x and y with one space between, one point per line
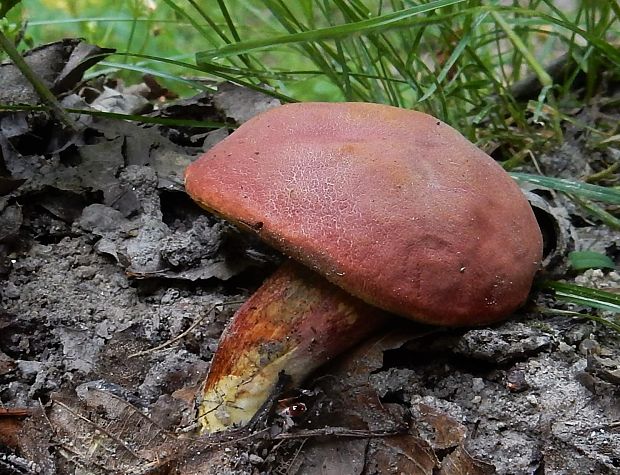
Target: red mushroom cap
392 205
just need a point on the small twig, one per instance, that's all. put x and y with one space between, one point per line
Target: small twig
15 412
295 456
179 336
46 95
45 416
613 425
229 437
340 432
186 332
234 436
100 428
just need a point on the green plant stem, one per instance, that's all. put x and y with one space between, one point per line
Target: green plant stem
367 26
584 190
580 295
46 95
569 313
596 211
539 70
603 174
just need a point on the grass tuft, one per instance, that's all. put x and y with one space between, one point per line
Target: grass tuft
503 73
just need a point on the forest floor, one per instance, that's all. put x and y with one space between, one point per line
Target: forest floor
115 287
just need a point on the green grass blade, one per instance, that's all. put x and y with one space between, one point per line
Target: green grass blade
213 25
229 21
543 76
583 295
197 26
132 31
582 260
610 51
585 190
6 5
216 72
205 124
371 25
215 68
101 19
595 318
39 86
596 211
156 73
209 21
460 47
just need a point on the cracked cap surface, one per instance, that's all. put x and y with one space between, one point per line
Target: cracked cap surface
392 205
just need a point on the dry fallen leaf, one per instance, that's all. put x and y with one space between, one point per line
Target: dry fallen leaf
60 65
460 462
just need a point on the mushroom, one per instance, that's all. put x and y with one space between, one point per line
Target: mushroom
391 211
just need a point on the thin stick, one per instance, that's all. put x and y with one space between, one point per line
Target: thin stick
339 432
186 332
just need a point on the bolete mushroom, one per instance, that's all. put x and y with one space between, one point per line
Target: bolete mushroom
397 212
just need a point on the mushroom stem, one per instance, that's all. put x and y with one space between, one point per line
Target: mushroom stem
295 322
